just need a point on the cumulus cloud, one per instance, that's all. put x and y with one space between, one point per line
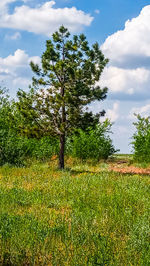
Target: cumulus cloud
15 70
18 59
132 42
128 74
43 19
127 82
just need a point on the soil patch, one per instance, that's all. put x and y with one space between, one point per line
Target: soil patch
129 169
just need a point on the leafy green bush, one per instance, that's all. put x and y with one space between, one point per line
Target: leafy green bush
45 147
141 139
94 144
14 149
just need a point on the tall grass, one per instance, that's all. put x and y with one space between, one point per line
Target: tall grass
85 215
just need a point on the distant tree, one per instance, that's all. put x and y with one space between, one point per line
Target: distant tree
66 83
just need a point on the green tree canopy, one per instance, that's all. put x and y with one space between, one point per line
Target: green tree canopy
65 84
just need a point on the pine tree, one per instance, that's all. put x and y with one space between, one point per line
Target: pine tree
65 84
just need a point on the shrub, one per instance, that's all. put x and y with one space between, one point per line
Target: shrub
141 139
44 148
93 144
14 149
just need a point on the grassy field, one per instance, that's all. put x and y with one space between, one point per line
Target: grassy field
85 215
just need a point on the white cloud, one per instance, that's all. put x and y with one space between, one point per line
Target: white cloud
19 59
132 42
35 59
43 19
15 70
128 74
126 81
112 114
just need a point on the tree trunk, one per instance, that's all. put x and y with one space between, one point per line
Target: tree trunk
62 151
63 118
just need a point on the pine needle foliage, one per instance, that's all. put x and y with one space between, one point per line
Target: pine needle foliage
65 84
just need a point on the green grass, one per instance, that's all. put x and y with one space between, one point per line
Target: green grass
85 215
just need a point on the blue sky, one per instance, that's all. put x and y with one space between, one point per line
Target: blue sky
122 29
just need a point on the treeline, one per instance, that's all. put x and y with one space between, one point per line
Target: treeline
16 146
94 143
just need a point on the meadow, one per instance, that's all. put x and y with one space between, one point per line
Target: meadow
83 215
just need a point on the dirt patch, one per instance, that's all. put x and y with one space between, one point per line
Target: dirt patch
129 169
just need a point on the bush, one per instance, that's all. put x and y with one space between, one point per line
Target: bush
44 148
14 149
94 144
141 140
